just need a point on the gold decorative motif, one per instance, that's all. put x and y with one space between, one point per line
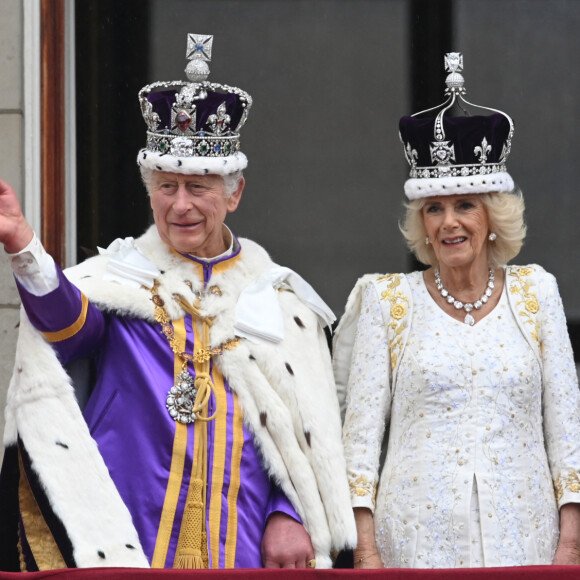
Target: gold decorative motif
204 354
528 305
532 305
570 483
398 311
361 486
399 308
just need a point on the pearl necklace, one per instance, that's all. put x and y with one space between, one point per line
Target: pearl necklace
469 306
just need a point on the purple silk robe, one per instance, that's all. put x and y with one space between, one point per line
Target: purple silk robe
149 455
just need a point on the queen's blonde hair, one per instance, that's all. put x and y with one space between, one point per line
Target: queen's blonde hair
505 212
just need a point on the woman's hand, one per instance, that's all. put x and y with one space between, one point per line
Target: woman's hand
568 552
366 554
15 231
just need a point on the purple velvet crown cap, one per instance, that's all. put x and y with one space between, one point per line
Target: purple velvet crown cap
469 157
466 133
163 102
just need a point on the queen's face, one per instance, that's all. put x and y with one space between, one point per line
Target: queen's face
457 226
189 211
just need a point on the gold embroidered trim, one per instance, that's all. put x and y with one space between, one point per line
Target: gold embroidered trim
399 308
569 483
528 305
361 486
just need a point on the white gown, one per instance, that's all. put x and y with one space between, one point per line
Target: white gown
476 436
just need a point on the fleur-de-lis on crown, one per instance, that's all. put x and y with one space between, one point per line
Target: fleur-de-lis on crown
220 121
411 155
483 150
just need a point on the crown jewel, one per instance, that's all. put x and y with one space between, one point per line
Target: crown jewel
455 154
196 119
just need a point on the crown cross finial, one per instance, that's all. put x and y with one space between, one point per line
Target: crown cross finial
454 81
199 54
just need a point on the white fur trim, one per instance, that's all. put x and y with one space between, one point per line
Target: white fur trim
490 183
193 165
291 383
41 404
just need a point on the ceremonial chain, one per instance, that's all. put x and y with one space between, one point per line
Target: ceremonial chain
468 307
181 400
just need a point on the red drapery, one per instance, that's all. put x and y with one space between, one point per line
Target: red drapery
519 573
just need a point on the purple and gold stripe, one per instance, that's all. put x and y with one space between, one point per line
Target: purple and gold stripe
71 330
174 482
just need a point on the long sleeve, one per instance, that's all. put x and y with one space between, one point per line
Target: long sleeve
368 402
561 397
280 503
34 269
54 305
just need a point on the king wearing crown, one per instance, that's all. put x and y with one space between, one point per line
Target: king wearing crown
210 436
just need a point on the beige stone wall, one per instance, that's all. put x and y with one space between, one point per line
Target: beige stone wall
12 171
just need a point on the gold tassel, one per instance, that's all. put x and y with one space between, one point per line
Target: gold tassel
191 542
189 559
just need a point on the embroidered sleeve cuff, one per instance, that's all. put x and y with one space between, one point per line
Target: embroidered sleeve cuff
567 487
363 491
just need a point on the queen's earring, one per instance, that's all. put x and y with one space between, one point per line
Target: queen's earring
427 241
491 237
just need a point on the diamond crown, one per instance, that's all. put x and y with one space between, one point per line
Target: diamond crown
443 160
197 118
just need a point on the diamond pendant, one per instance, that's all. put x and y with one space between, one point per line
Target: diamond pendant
181 398
469 320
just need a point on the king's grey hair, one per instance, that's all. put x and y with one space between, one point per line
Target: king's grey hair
231 181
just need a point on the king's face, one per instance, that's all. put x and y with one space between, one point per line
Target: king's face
189 211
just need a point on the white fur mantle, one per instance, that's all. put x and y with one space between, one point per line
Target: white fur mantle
286 393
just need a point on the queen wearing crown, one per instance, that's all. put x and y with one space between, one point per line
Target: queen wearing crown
463 373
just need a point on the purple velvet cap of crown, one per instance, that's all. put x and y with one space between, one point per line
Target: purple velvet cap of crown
163 101
480 146
466 133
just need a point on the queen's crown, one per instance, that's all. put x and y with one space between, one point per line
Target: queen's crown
440 147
